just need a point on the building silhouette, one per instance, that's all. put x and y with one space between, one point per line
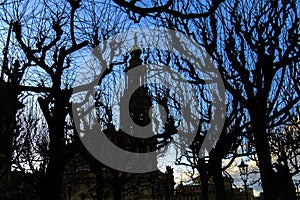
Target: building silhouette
80 180
193 190
79 183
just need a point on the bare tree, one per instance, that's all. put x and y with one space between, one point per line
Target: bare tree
284 143
50 36
261 65
255 45
160 9
12 70
30 144
284 146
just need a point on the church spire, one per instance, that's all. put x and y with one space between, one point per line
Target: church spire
135 46
135 54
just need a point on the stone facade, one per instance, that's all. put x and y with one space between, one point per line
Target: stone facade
80 183
17 185
193 191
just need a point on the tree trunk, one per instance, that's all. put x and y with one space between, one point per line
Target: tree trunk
54 173
286 188
264 156
117 191
53 180
99 187
55 169
97 168
204 176
9 105
216 172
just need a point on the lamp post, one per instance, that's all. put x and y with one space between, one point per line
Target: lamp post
244 175
297 184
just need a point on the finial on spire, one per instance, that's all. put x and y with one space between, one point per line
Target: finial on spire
135 54
135 39
135 49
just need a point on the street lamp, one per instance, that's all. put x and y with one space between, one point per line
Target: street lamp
297 184
244 175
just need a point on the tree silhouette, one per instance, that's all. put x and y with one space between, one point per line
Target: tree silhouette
48 37
255 45
261 64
